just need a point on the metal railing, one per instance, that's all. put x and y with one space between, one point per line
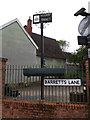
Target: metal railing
20 87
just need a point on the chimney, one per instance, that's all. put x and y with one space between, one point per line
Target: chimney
28 27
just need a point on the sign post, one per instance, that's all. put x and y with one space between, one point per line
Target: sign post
84 30
42 62
42 18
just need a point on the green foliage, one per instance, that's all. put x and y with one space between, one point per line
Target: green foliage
79 73
78 56
63 44
81 53
47 66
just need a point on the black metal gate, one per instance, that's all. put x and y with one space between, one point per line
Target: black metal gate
20 87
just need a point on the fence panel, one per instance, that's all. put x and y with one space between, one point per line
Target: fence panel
20 87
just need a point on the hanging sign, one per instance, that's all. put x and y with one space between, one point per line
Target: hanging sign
36 19
46 17
42 18
62 82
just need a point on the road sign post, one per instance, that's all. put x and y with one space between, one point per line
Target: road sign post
88 39
42 18
84 30
42 62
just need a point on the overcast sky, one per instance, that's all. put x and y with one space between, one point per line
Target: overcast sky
64 24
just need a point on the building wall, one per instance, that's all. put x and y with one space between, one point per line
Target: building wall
17 47
52 61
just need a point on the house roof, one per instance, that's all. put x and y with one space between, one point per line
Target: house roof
16 20
51 47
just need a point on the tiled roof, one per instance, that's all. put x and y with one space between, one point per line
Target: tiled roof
51 47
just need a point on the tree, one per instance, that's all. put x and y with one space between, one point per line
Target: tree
63 44
79 55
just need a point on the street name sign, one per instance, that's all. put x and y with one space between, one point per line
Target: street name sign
42 18
62 82
46 17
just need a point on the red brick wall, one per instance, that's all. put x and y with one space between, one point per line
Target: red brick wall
27 109
2 75
28 27
0 79
88 80
0 90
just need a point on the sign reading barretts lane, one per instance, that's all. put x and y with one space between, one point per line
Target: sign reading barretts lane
62 82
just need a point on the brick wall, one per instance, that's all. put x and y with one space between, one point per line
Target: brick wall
2 75
2 78
88 80
28 27
27 109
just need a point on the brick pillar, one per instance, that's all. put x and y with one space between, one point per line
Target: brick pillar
88 80
2 76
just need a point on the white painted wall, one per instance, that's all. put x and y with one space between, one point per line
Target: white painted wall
17 47
53 62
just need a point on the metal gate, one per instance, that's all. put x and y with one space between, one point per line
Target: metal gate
20 87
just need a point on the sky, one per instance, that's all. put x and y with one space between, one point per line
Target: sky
64 24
